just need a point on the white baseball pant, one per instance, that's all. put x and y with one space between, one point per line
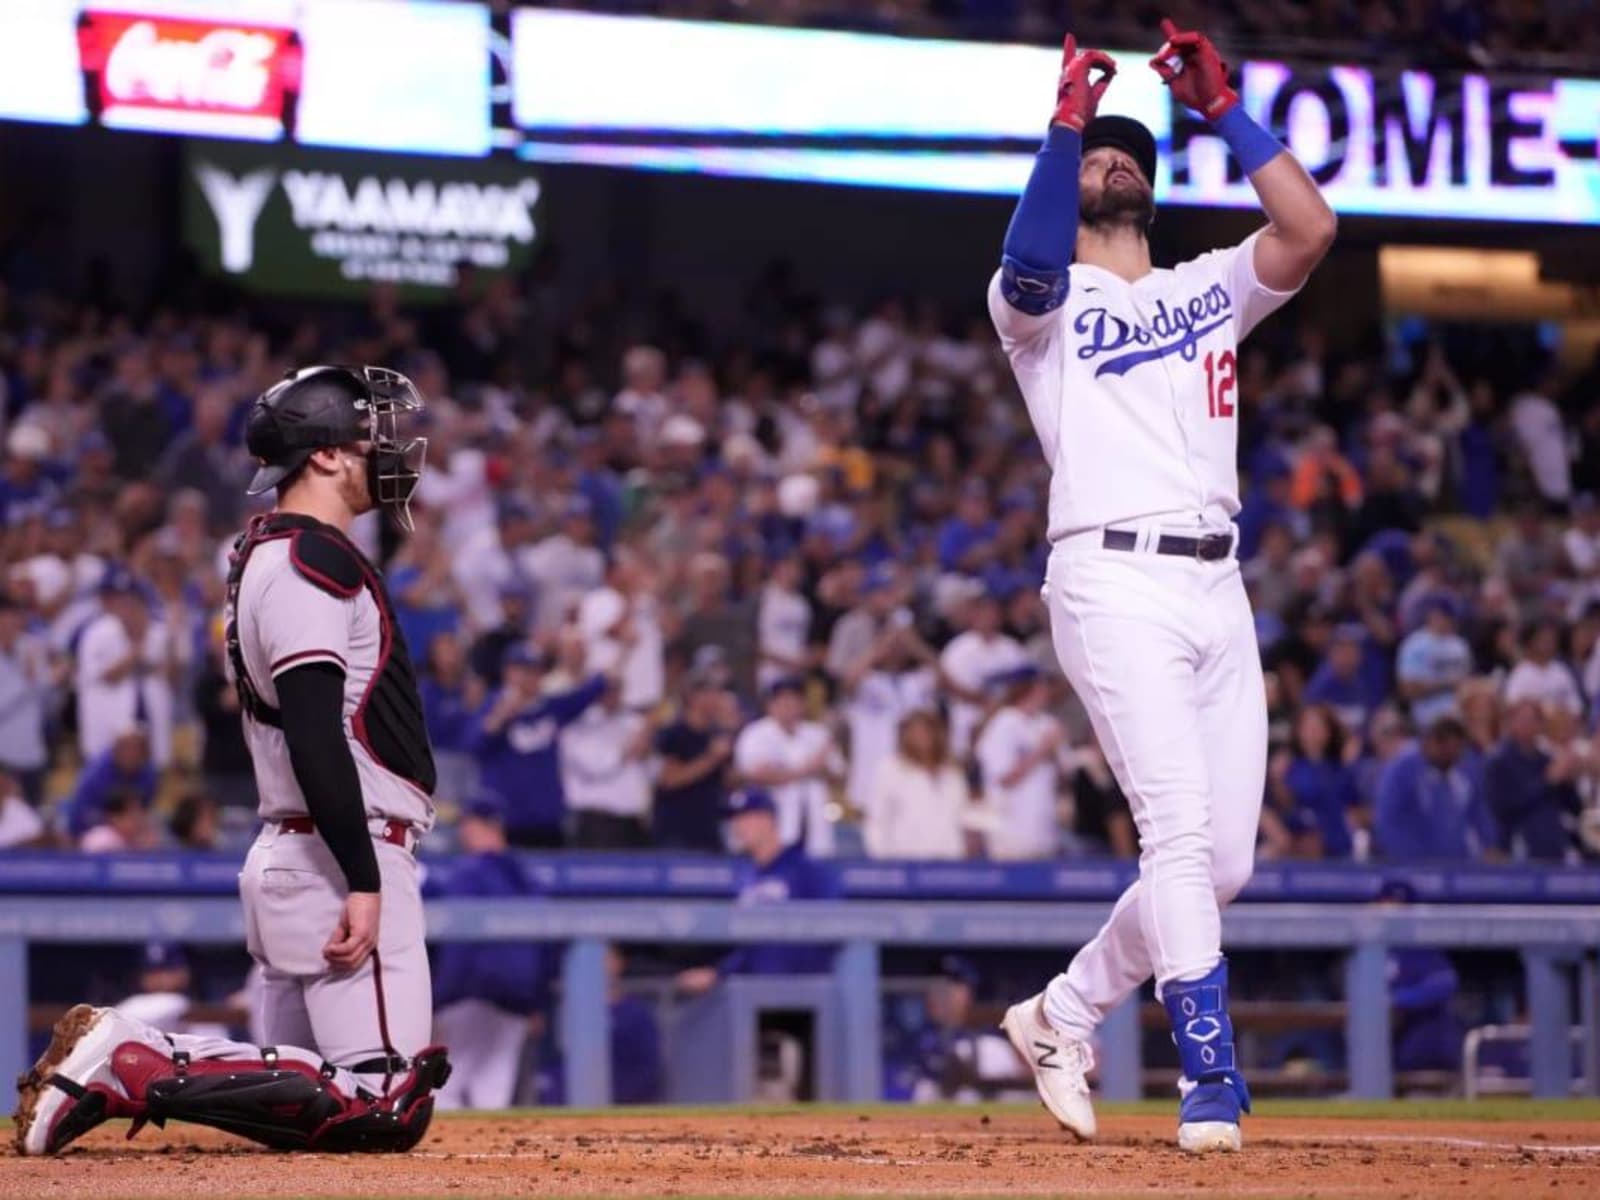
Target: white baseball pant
1162 651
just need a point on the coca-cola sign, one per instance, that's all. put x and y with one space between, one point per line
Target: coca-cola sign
163 64
410 76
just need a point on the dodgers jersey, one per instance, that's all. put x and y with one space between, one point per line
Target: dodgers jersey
1132 388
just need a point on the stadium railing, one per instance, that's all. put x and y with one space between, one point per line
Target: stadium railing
1554 926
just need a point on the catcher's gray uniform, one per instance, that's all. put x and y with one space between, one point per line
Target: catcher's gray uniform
301 593
344 771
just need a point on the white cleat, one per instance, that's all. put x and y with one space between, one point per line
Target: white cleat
1206 1137
71 1088
1213 1114
1060 1066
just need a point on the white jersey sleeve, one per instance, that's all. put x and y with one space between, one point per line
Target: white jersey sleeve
1253 301
297 623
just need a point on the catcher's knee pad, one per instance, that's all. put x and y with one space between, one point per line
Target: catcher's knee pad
395 1123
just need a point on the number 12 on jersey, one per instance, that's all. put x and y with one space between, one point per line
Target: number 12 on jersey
1221 378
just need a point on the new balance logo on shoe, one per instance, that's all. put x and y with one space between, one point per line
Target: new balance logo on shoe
1059 1066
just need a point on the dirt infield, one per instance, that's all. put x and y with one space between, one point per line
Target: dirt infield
876 1152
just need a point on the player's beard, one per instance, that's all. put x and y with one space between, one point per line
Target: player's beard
1127 203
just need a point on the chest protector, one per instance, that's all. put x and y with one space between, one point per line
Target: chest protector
388 721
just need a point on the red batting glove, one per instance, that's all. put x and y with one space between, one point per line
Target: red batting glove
1078 95
1189 64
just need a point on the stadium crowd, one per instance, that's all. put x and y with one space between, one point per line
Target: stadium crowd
651 563
1408 33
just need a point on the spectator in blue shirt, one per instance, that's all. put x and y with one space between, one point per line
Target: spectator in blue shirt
1320 781
1389 735
636 1071
599 485
486 995
1395 547
426 599
122 770
943 1058
1531 792
515 739
966 540
1431 803
777 875
1422 989
1267 503
1479 450
451 697
26 487
1341 683
1433 662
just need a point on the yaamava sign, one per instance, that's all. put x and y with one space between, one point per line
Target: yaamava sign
304 222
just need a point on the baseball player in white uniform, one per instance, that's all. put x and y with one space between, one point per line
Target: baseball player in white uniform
1129 377
333 912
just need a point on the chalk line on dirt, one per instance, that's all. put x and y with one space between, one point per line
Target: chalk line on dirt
1463 1143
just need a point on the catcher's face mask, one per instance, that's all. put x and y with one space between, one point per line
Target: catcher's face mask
394 462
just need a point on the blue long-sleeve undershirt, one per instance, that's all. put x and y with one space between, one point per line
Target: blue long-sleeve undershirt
1043 232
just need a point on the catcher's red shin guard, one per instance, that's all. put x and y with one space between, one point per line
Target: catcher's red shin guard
288 1105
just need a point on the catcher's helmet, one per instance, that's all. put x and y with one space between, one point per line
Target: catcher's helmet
324 406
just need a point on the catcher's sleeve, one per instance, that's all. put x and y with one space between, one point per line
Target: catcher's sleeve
311 699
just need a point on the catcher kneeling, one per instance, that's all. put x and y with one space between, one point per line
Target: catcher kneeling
332 903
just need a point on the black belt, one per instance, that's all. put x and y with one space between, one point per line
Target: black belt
1207 549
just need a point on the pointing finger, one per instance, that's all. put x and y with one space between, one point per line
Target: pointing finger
1169 28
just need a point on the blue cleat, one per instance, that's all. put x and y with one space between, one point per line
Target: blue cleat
1214 1093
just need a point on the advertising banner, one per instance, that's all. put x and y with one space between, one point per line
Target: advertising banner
407 75
225 77
444 78
954 116
322 223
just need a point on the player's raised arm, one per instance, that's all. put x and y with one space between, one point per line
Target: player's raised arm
1302 224
1039 242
